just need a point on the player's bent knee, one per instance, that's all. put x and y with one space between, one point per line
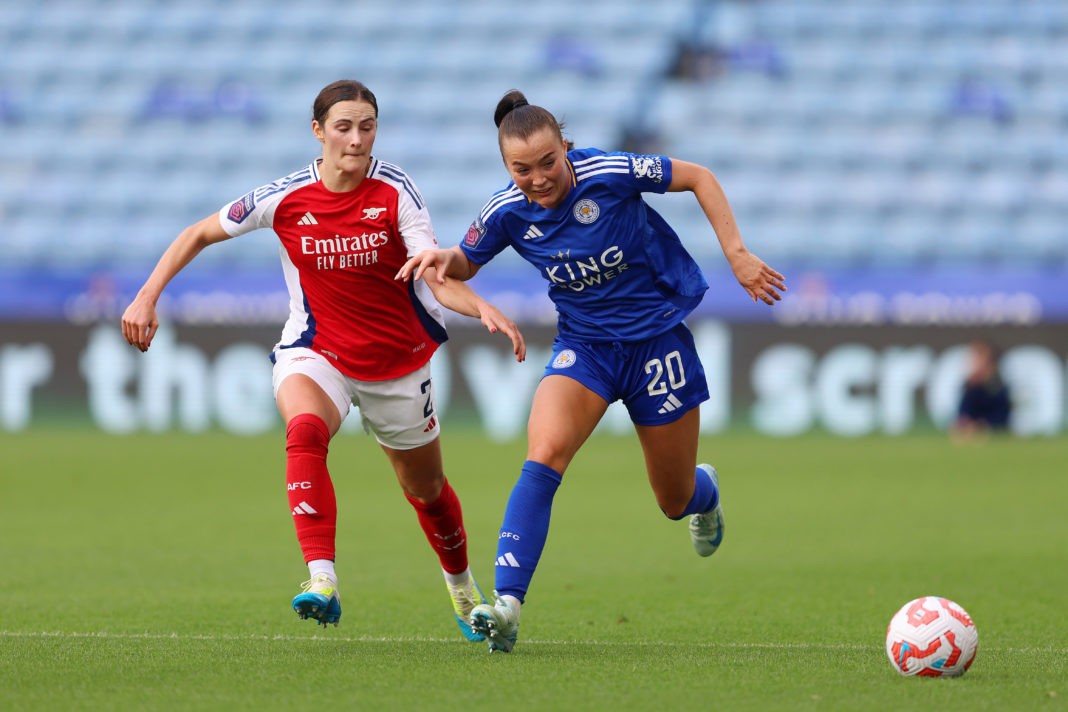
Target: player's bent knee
307 433
550 457
673 508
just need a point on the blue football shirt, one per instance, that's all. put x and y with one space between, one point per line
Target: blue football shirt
616 271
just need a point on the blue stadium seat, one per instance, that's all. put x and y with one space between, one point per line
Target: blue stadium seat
861 139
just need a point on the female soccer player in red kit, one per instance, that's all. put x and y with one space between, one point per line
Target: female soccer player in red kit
346 224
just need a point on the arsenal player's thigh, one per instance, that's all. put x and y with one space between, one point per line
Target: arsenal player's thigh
305 382
402 415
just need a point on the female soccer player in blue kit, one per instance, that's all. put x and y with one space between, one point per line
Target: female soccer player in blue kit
622 284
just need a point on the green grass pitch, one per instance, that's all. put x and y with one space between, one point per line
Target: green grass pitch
154 572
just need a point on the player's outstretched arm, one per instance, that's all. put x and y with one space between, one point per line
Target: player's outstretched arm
760 281
460 298
451 262
139 321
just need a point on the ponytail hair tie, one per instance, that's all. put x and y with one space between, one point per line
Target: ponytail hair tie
510 101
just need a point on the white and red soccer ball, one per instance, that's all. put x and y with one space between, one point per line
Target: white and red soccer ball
931 637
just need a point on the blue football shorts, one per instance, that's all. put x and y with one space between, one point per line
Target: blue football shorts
658 380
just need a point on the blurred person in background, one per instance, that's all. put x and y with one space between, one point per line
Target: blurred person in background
622 283
985 402
346 223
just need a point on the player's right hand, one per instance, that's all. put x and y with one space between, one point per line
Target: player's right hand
139 323
415 266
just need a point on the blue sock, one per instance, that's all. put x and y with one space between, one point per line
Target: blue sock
705 495
525 527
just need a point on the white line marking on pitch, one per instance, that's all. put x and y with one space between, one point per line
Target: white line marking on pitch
108 635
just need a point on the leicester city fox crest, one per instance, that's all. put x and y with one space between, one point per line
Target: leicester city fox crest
586 211
565 359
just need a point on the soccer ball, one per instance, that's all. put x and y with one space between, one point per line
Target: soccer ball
931 637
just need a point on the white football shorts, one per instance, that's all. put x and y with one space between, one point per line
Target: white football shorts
400 413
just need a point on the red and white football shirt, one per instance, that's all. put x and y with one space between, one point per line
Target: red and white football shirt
340 252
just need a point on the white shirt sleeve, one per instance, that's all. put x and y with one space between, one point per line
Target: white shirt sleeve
414 222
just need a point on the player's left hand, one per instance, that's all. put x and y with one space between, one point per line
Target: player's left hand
495 321
759 281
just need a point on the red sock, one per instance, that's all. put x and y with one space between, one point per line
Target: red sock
443 523
311 493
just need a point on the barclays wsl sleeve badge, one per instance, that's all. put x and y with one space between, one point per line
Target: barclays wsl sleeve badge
475 233
242 208
586 211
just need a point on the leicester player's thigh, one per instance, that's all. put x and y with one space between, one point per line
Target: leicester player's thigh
663 378
658 379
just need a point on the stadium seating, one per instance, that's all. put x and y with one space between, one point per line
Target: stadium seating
852 133
927 126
